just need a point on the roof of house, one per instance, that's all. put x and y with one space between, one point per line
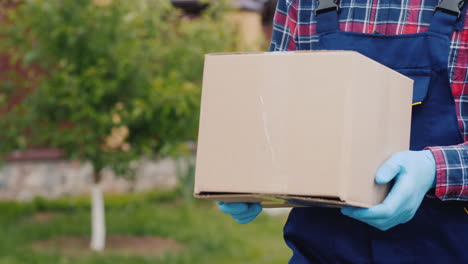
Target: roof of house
189 6
196 5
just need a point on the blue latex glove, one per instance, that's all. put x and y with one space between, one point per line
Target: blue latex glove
414 174
242 212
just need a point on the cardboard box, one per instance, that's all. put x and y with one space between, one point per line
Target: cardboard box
299 129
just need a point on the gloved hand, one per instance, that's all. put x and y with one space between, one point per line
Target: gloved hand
414 174
242 212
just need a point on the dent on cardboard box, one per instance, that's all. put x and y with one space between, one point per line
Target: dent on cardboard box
299 129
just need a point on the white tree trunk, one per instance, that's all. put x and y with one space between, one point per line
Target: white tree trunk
98 231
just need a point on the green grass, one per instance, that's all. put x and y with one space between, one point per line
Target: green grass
208 235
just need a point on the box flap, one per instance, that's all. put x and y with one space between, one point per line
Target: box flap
276 200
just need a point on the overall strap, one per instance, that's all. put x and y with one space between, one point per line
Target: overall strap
446 15
444 21
327 15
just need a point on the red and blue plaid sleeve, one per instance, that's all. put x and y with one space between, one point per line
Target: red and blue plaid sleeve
284 26
451 172
452 161
294 28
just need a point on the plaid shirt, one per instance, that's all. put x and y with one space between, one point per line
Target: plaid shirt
295 24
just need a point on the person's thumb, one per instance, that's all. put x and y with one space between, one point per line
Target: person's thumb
388 171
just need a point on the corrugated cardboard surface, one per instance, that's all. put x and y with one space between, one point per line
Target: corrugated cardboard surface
299 125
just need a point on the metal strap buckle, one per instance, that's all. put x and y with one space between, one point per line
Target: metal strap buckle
450 6
327 5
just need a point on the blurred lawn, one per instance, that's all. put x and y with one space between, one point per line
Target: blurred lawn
207 235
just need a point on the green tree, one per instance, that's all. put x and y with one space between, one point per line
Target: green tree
121 79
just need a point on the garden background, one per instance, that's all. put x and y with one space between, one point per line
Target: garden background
99 104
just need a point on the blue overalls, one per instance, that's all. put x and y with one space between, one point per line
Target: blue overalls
438 233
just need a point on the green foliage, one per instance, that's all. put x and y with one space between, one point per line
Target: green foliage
121 78
13 210
208 235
